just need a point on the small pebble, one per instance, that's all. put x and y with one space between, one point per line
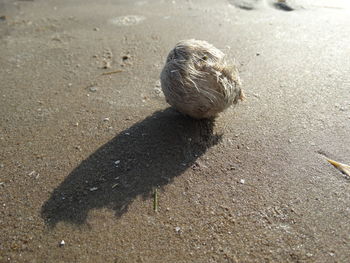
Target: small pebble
177 229
62 243
232 168
126 57
158 91
106 64
93 189
242 181
117 162
96 29
106 119
78 148
93 89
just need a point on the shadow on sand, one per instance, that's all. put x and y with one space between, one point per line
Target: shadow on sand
149 154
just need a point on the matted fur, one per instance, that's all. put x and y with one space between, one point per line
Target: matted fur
198 81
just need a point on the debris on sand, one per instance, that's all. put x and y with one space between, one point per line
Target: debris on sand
35 174
158 91
62 243
106 59
78 148
93 189
126 60
106 64
112 72
157 84
129 20
345 169
126 57
246 4
93 89
155 200
282 5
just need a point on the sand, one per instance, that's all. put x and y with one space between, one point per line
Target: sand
81 153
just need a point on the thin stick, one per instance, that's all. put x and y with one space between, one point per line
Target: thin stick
155 200
112 72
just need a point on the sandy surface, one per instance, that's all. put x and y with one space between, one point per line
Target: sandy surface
81 153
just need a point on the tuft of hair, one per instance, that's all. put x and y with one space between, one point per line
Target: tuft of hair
198 81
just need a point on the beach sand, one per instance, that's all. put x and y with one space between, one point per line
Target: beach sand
86 135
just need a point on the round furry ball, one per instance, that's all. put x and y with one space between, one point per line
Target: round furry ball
198 81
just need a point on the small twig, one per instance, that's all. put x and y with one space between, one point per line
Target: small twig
112 72
155 200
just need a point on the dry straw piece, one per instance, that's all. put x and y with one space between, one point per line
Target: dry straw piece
198 81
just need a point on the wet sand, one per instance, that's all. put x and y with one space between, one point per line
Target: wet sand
82 152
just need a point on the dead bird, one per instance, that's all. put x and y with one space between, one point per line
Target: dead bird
198 81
